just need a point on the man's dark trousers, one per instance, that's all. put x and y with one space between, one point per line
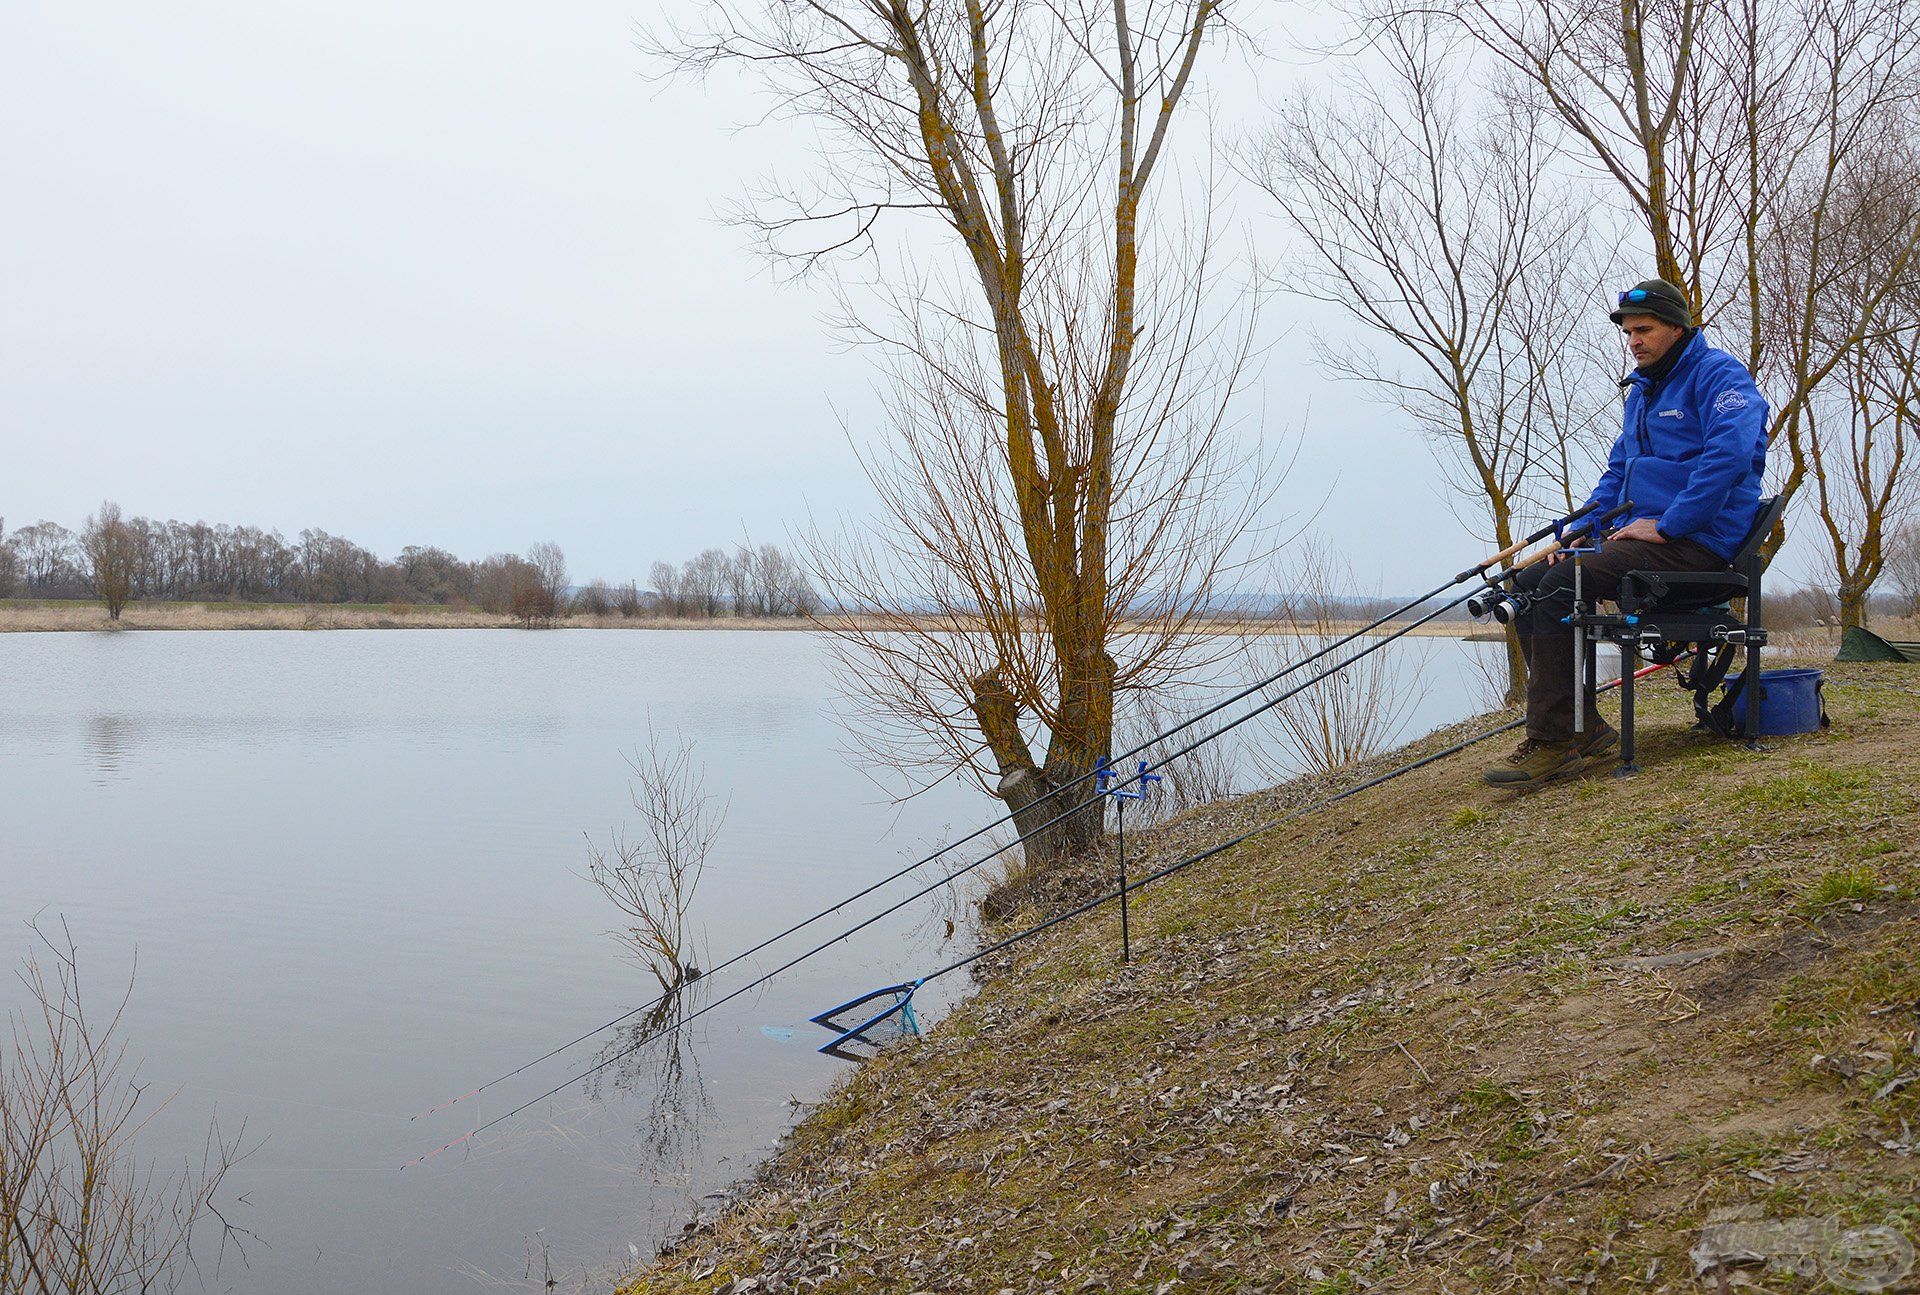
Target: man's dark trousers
1547 640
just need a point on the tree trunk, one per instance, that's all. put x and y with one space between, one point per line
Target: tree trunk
1502 508
1049 803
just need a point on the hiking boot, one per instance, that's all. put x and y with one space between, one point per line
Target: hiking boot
1533 763
1599 738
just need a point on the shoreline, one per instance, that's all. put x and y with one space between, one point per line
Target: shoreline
1375 1016
50 616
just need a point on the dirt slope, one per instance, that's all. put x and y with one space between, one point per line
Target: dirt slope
1439 1038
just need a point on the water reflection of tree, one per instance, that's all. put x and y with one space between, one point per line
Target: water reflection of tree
110 742
655 1055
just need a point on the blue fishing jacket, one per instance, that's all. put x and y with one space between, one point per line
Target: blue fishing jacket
1692 451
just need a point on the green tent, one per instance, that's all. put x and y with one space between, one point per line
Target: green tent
1864 645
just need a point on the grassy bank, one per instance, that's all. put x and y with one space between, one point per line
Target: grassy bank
1437 1038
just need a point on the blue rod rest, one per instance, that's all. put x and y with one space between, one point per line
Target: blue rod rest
1587 534
1104 773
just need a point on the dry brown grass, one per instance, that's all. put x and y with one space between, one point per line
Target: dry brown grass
1822 641
28 615
39 616
1436 1039
55 616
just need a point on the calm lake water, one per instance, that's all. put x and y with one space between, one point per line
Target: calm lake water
351 867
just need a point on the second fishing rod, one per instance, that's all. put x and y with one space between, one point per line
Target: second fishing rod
903 993
946 880
1559 530
957 873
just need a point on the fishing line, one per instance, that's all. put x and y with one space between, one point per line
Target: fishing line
1371 648
1475 572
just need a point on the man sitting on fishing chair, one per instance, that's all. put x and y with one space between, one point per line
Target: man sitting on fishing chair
1689 460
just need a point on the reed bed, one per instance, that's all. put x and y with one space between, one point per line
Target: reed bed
43 615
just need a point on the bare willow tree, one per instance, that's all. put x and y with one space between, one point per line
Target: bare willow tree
1867 464
9 562
1728 126
1617 77
770 582
1437 225
113 552
1864 426
1059 491
652 877
1903 567
81 1210
549 565
703 582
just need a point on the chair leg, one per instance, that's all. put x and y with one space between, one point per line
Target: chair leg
1752 698
1629 662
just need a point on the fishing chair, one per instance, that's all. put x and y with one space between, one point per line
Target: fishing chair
1676 616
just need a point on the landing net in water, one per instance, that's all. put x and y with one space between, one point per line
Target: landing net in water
870 1023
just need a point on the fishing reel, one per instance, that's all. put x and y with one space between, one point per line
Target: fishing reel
1501 604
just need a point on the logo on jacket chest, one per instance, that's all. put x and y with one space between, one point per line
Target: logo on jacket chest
1671 413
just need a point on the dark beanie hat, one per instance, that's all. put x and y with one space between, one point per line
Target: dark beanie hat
1658 298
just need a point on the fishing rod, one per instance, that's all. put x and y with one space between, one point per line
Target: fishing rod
1564 539
905 991
1556 529
956 874
1506 605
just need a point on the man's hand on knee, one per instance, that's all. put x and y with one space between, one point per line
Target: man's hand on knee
1644 528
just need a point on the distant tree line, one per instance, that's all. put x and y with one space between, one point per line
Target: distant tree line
763 581
120 559
751 581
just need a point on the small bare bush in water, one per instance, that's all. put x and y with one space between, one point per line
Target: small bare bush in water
80 1210
1357 711
651 877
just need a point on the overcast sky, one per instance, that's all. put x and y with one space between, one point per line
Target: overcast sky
423 273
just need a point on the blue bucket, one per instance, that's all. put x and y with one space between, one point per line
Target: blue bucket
1790 702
